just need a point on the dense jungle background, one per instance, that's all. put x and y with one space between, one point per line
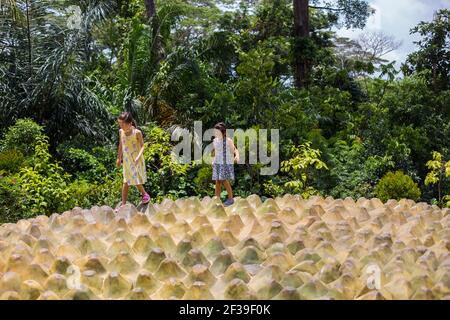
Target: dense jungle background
351 124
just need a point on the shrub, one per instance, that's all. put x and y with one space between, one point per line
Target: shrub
166 177
106 193
439 174
10 200
397 185
353 172
107 156
44 193
86 194
22 136
82 194
203 181
83 164
299 167
273 189
44 185
11 161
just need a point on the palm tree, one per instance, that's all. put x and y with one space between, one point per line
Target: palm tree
43 64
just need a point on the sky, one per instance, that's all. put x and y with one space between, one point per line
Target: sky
396 18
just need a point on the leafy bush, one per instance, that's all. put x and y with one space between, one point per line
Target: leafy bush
397 185
86 194
352 172
203 181
83 164
273 189
247 180
107 156
45 184
44 193
82 194
22 136
303 160
166 177
303 163
11 160
438 174
10 200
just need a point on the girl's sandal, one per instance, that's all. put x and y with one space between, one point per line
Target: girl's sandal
146 198
228 202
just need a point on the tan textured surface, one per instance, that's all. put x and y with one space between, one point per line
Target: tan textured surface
284 248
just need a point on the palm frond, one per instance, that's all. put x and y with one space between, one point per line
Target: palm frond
43 61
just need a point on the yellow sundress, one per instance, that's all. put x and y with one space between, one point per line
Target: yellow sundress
133 174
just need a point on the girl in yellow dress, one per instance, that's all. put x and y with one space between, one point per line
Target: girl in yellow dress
130 155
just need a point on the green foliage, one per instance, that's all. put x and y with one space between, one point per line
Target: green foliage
22 136
352 173
446 200
272 188
84 165
438 168
403 122
45 188
439 173
294 115
106 156
86 194
11 161
299 169
44 193
433 56
179 88
44 184
354 12
11 197
303 159
82 194
203 181
165 175
43 66
397 185
256 85
330 107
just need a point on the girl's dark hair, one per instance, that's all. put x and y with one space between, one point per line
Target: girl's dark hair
222 128
127 118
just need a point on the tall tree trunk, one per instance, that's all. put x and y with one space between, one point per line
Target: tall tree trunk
30 59
301 34
150 8
156 47
156 41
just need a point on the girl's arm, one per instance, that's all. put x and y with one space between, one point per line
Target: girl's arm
213 153
235 151
141 144
119 151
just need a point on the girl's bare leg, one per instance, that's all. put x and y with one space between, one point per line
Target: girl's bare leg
227 185
218 188
125 188
141 189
